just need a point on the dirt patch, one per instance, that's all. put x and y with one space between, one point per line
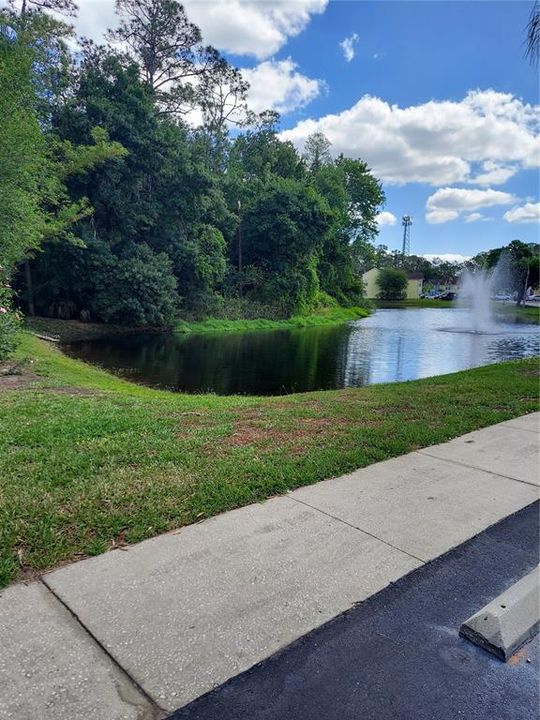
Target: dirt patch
266 436
20 381
18 378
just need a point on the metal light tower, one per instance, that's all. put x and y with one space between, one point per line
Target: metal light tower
406 222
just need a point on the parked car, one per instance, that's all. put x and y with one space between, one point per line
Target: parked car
448 296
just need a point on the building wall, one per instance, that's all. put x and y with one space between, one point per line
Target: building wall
371 290
369 279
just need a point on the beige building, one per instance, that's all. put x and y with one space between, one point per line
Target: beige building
371 289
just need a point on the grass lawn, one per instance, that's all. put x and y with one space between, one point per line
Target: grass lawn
419 303
326 316
89 461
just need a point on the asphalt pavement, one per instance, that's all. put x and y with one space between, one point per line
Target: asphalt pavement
398 655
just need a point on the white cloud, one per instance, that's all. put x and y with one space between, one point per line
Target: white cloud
277 85
494 174
252 27
258 28
438 142
385 218
447 257
448 203
530 212
348 46
475 217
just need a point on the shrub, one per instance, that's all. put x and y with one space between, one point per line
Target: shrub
9 320
392 284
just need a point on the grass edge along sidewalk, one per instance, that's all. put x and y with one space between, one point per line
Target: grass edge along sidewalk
89 461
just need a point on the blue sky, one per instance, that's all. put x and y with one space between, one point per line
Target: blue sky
409 53
436 96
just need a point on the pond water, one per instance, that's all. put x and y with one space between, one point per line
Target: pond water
389 346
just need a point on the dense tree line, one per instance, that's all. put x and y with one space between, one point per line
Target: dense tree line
118 207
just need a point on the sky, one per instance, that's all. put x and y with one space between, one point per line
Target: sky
436 96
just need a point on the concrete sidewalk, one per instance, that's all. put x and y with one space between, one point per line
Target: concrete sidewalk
142 632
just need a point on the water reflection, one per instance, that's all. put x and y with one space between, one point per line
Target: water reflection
389 346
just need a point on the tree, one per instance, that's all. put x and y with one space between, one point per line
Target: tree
168 49
64 7
317 151
392 283
283 231
221 95
160 39
140 291
533 35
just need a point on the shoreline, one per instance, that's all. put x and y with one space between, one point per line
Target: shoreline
90 461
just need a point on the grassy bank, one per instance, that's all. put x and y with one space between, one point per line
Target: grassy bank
525 313
417 303
328 316
89 461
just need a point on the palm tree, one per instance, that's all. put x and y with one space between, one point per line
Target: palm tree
533 35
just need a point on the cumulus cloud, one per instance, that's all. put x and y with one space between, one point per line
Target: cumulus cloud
277 85
530 212
449 203
385 218
438 142
493 174
348 46
243 27
447 257
252 27
475 217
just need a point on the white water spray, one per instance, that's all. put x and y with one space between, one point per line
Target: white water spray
475 292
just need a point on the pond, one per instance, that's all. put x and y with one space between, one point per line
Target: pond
390 345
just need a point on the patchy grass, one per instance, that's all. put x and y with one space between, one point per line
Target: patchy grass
89 461
326 316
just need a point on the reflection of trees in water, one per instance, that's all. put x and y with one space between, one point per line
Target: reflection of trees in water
357 358
284 361
280 361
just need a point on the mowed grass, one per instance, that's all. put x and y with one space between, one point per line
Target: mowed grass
89 462
325 316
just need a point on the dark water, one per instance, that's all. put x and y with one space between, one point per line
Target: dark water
391 345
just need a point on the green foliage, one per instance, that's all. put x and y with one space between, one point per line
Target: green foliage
22 149
9 319
517 264
243 224
392 283
283 232
136 289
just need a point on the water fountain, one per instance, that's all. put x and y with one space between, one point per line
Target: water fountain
475 294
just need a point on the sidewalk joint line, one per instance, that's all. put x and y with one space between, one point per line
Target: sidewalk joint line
359 529
158 711
475 467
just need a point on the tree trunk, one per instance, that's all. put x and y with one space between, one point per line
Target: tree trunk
240 285
29 289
